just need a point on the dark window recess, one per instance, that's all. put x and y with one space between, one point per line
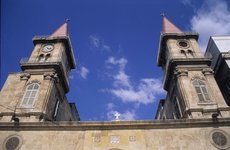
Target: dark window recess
177 113
56 109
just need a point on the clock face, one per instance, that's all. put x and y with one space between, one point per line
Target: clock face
48 48
183 43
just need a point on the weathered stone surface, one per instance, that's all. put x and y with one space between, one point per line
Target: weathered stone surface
149 135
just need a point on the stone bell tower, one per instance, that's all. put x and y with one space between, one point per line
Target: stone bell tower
38 92
188 78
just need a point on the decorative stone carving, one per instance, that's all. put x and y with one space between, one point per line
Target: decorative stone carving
114 139
34 81
197 76
24 76
51 76
132 138
97 139
181 72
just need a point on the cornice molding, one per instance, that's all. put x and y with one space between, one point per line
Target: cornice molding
115 125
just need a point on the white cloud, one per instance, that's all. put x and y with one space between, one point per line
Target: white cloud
189 3
110 106
105 48
94 41
121 78
128 115
213 18
98 43
120 62
71 77
145 92
186 2
83 72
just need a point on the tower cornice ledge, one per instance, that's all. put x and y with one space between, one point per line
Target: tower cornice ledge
115 125
48 65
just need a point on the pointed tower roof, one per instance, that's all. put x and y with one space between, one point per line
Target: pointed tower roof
61 31
169 27
170 31
60 35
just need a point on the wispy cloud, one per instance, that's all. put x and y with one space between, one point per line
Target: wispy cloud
110 106
98 43
120 78
213 18
71 77
189 3
145 92
128 115
83 72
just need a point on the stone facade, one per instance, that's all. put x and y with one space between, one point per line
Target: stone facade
120 135
35 113
48 70
189 79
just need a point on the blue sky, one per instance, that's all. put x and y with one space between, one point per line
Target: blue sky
115 43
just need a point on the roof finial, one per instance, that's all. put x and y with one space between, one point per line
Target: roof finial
67 20
163 14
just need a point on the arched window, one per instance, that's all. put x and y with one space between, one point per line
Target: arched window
30 95
190 52
41 58
183 52
201 90
47 56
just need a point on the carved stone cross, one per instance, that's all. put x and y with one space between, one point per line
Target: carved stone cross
117 115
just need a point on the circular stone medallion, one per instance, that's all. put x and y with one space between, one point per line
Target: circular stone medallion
13 142
220 139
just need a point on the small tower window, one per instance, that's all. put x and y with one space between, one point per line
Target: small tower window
183 52
177 112
47 57
30 95
201 90
226 91
41 58
56 109
190 52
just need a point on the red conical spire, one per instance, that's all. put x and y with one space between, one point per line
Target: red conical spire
169 27
61 31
